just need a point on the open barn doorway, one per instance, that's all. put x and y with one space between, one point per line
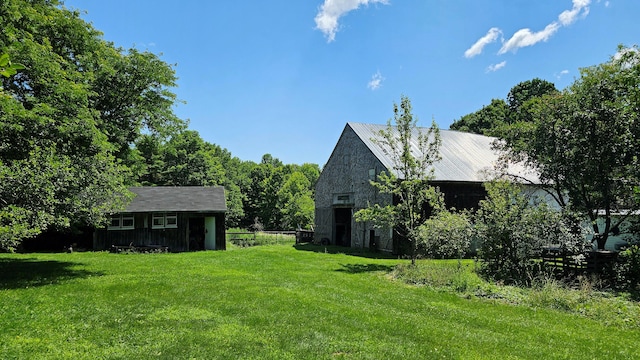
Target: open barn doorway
342 226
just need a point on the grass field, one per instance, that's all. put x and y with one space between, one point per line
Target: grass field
270 302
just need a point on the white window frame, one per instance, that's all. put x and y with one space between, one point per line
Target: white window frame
160 218
164 221
171 220
120 222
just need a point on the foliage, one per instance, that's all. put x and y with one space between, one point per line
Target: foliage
485 120
520 94
627 270
584 141
584 298
408 180
446 234
512 228
7 68
492 118
68 119
296 202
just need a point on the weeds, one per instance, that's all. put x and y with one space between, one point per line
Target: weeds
585 296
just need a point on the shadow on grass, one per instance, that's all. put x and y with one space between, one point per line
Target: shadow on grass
332 249
21 273
362 268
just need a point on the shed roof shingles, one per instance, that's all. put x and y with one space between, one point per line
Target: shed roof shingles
177 199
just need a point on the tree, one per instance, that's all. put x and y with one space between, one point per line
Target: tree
492 118
485 120
295 202
525 91
131 94
190 161
585 142
408 180
68 120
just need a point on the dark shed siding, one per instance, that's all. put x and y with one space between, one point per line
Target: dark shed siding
177 239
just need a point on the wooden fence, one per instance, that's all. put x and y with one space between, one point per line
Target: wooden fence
595 262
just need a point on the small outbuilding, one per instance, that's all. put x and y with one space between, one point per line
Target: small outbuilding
344 186
177 218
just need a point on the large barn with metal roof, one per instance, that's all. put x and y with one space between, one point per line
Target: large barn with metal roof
343 187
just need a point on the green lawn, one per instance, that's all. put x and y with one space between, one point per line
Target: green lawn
269 302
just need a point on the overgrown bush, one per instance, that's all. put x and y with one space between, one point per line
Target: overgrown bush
512 227
446 235
627 269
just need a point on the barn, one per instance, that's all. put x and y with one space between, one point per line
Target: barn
179 218
344 188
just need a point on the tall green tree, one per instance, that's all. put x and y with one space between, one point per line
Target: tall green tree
69 118
408 181
485 120
492 118
585 142
295 202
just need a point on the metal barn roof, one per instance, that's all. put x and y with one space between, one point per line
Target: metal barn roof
177 199
465 156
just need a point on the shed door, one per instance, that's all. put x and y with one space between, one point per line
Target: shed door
210 233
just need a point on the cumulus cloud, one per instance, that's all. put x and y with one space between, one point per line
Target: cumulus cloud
561 74
476 49
376 81
331 11
496 67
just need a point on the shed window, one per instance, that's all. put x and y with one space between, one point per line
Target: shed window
171 220
158 221
121 222
164 221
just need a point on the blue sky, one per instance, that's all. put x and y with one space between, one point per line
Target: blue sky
284 77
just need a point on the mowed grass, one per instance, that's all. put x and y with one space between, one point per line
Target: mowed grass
269 302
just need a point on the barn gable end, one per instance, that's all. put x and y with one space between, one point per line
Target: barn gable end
344 188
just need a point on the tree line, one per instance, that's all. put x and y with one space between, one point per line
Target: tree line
81 120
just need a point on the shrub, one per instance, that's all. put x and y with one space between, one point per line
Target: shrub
512 228
446 235
627 269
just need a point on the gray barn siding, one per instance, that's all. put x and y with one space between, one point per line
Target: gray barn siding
347 173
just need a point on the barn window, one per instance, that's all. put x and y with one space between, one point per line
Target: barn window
121 222
372 174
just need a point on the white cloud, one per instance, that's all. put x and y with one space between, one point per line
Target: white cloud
496 67
332 10
476 49
376 81
561 73
524 37
580 7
